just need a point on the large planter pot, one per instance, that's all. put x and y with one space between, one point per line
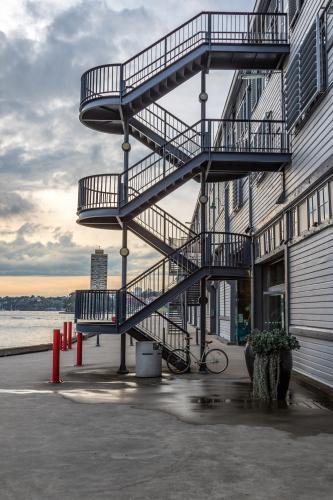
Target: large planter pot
249 359
285 368
286 365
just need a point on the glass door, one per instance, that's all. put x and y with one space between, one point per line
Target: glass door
274 316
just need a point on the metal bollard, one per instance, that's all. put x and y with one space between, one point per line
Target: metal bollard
64 344
70 333
56 358
97 340
79 349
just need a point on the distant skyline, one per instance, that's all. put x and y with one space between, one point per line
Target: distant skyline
45 46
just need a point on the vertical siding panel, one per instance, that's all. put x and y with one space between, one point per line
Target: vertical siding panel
311 296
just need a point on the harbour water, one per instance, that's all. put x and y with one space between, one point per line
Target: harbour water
25 328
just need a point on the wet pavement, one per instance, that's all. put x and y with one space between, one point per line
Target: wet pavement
101 435
202 400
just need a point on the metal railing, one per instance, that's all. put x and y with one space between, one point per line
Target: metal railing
165 331
165 124
227 250
224 136
209 28
99 305
164 226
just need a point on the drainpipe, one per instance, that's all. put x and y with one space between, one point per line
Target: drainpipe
252 276
126 147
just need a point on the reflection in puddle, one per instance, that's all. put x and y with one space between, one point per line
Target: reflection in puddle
98 395
24 391
204 402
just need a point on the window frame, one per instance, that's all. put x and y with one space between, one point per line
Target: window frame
326 203
311 210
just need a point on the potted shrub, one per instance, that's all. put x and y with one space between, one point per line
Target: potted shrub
272 362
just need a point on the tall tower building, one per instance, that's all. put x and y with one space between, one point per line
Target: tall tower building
99 270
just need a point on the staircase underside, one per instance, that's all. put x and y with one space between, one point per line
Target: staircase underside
222 167
105 112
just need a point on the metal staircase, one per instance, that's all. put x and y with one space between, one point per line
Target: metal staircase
214 255
217 40
114 93
233 148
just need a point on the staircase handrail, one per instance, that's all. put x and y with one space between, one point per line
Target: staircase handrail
205 28
185 332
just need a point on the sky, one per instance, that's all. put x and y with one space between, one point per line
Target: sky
45 46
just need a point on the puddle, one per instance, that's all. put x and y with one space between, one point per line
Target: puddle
203 401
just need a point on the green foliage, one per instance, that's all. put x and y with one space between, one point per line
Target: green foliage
272 342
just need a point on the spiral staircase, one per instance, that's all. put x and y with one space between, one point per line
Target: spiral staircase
120 97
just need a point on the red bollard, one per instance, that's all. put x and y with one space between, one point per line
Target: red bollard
61 341
79 349
56 357
64 344
70 333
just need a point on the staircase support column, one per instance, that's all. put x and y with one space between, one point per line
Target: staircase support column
124 251
203 97
203 289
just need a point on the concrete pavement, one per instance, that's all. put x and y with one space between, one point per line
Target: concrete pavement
101 436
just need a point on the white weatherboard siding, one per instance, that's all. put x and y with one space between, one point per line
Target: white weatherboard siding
315 359
311 299
265 195
312 145
224 293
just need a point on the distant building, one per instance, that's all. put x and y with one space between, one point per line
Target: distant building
99 270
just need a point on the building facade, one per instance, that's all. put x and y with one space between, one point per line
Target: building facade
99 270
257 254
288 213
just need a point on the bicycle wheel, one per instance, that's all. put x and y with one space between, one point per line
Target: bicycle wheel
178 361
216 361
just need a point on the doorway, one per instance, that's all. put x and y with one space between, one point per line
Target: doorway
243 311
274 296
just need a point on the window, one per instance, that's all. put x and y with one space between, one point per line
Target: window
262 245
271 240
237 194
306 77
281 230
294 222
257 87
323 198
294 9
313 210
303 217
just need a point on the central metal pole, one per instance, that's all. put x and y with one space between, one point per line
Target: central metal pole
203 292
203 97
124 251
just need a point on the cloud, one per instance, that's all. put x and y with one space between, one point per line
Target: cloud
24 255
44 49
13 204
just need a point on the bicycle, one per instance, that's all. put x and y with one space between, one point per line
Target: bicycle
215 360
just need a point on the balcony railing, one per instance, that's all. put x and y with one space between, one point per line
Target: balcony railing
206 28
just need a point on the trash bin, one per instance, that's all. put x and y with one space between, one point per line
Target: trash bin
148 359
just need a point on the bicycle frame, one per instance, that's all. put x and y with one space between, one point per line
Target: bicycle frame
197 360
